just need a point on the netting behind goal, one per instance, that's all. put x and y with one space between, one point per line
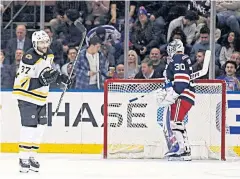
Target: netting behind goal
135 130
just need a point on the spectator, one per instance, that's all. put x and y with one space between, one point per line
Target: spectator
90 67
132 64
175 10
61 7
230 44
18 57
228 21
20 42
15 66
71 54
5 73
228 6
110 60
111 39
204 45
207 23
147 71
143 36
56 47
118 14
187 24
236 58
119 72
156 10
198 65
68 32
73 77
97 13
177 34
158 62
232 81
107 33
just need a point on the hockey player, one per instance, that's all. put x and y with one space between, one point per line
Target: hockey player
31 89
179 95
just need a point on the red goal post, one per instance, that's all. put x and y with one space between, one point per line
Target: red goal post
124 138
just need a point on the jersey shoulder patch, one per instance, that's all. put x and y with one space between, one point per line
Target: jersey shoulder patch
30 57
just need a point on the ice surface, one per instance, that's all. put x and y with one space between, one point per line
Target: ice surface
93 166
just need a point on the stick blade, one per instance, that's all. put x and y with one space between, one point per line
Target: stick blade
204 70
206 62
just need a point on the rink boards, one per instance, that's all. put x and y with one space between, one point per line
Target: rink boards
79 125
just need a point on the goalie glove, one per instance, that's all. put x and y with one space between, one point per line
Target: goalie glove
48 76
63 79
166 97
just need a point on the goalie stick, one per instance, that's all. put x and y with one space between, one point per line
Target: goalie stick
193 76
83 29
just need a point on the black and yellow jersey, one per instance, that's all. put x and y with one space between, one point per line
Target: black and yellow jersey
30 68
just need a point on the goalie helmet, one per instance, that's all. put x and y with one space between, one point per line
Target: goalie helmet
174 47
40 41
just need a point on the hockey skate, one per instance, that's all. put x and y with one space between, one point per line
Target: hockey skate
178 154
34 165
24 165
174 154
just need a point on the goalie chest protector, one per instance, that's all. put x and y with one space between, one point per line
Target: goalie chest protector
178 72
31 66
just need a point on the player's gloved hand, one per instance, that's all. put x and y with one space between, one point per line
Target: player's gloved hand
63 79
160 95
170 98
48 76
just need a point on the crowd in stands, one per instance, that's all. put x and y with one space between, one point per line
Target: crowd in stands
153 24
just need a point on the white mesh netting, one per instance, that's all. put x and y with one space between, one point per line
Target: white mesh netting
135 130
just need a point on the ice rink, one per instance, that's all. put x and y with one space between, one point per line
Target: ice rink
93 166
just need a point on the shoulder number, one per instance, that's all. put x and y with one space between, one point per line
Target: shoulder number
179 66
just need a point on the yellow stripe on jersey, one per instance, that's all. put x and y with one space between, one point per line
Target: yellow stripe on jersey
39 93
31 96
50 56
39 60
24 83
27 83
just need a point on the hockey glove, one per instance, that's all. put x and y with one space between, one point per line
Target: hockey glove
170 98
160 95
63 79
48 76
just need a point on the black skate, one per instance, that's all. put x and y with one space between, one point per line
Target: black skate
24 165
34 165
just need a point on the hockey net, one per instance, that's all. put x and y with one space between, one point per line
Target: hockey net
135 130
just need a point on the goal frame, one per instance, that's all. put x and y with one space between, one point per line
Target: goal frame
207 81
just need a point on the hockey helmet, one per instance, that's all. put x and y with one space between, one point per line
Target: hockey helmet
174 47
40 36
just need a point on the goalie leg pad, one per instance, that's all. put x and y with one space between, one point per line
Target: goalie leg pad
180 132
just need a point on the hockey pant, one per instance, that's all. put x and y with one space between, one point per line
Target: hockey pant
33 120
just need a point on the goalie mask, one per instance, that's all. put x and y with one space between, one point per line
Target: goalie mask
174 47
40 41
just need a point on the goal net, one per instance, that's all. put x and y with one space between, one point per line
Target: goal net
136 130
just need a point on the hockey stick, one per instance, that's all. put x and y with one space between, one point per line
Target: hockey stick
82 28
193 76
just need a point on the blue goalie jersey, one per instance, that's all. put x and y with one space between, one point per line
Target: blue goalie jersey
178 73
